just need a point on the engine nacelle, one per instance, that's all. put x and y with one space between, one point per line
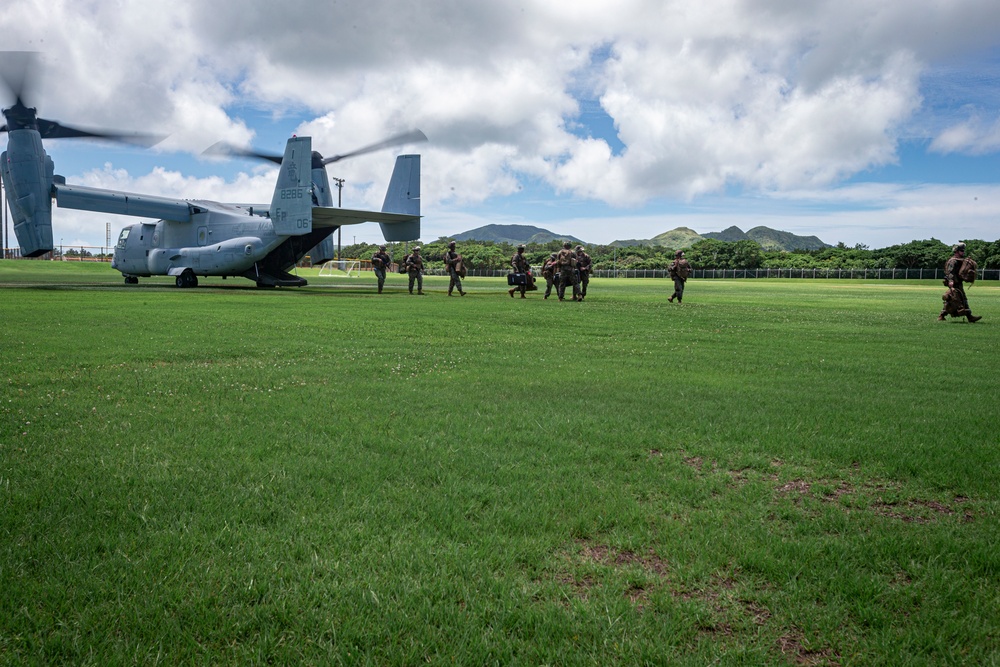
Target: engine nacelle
27 173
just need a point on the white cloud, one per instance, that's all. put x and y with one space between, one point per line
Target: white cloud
767 96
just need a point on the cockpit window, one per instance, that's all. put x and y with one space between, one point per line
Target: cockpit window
123 236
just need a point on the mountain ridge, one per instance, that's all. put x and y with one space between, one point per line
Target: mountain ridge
675 239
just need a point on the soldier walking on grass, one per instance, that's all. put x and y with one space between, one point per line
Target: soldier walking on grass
381 261
415 269
958 270
583 263
679 270
453 263
549 268
566 259
520 265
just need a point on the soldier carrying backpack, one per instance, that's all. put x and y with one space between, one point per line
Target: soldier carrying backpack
958 270
679 270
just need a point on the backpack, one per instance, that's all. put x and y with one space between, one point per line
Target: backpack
953 302
968 271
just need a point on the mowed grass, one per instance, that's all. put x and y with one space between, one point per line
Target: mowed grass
774 472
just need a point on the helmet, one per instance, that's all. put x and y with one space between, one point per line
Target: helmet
567 244
451 244
553 256
416 248
520 247
579 248
381 247
959 246
679 253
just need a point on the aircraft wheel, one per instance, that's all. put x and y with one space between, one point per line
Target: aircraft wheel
187 279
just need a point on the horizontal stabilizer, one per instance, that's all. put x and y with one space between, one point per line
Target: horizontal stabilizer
326 216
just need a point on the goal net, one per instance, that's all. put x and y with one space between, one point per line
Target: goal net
344 267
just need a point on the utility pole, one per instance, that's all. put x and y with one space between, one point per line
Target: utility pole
340 191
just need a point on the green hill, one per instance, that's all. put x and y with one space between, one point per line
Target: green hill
514 234
729 234
772 239
681 237
765 237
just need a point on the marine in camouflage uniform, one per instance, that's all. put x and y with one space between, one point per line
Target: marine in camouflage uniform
549 269
451 259
679 270
381 261
566 261
415 269
583 263
520 264
954 281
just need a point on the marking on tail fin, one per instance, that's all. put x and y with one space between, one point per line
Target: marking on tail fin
291 204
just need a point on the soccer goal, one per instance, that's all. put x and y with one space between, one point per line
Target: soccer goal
349 267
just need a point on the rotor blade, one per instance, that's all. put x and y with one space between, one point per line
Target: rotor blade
50 129
221 148
413 136
17 71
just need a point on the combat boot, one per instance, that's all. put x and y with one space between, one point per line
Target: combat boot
449 292
522 296
461 293
511 292
420 292
973 318
671 299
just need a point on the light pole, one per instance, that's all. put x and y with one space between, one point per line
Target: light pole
340 190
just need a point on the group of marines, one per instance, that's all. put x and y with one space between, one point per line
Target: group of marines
566 268
413 267
572 267
562 269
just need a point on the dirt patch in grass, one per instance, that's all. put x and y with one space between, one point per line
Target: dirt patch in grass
919 511
580 588
605 555
799 486
879 497
792 646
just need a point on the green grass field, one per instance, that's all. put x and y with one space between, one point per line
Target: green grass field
774 472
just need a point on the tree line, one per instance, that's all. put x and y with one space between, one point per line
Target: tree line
705 254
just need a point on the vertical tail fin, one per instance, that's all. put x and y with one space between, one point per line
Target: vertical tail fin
27 174
403 196
291 205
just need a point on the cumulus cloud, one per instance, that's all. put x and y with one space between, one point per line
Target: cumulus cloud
763 95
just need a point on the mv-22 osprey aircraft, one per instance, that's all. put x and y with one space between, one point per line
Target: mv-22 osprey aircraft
201 238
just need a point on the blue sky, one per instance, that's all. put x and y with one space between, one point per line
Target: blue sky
874 122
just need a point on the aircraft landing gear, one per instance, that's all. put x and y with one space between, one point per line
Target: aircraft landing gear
131 280
187 279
